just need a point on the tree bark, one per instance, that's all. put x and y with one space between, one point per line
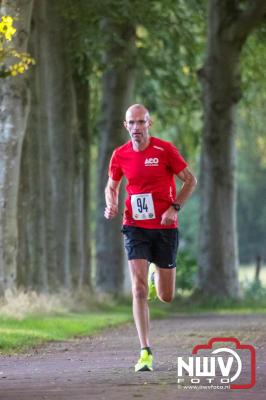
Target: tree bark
118 82
14 104
220 77
53 196
82 174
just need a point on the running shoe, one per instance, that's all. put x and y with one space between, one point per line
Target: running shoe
145 361
152 294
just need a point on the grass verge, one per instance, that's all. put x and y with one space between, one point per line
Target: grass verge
20 335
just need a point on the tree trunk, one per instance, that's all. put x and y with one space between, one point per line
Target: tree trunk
53 196
14 104
82 174
32 252
117 87
218 257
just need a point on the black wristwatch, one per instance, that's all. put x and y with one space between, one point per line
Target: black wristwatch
176 206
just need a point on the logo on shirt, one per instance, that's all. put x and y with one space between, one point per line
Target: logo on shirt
152 162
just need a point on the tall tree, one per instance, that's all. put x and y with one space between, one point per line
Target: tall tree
14 104
251 145
118 81
82 149
229 25
53 205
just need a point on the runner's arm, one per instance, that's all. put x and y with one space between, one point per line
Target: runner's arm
111 198
189 184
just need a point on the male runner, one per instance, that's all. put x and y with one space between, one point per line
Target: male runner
150 218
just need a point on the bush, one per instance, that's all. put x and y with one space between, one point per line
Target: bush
254 291
186 269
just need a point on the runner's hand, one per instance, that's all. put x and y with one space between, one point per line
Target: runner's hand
110 211
169 216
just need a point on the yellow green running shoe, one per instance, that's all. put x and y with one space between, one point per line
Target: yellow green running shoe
152 294
145 361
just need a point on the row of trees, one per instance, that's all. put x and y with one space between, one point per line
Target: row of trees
92 60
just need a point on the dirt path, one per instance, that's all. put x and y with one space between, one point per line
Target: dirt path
101 367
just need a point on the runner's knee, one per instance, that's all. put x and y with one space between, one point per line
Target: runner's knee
166 297
140 291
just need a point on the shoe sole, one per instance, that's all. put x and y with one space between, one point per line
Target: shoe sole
144 368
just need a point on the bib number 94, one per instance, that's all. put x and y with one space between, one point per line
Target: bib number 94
142 206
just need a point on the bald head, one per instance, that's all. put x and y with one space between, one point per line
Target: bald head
137 123
137 108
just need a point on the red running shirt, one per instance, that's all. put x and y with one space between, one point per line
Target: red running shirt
150 172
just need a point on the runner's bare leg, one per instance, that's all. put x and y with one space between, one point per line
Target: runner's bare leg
164 280
139 272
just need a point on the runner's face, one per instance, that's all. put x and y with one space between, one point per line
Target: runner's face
137 123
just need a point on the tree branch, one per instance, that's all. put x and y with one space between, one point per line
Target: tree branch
249 19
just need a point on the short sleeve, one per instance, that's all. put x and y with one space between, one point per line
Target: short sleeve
115 171
176 162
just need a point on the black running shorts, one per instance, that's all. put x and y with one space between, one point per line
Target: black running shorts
158 246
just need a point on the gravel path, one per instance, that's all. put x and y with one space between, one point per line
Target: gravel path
101 367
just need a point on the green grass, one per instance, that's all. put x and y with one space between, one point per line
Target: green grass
20 335
246 306
33 330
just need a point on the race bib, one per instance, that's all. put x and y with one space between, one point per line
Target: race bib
142 206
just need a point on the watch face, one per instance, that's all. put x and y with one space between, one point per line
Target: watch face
176 206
